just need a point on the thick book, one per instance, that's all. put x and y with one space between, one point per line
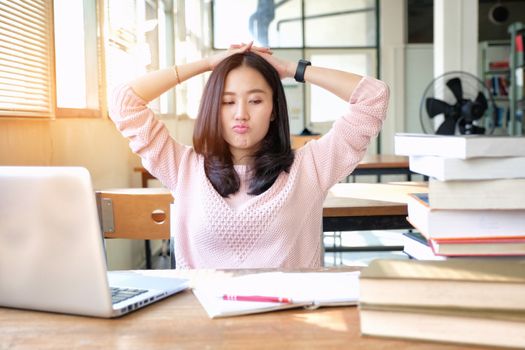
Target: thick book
458 146
259 292
477 194
479 247
446 169
449 325
463 223
491 284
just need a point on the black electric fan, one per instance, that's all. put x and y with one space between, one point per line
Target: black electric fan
457 103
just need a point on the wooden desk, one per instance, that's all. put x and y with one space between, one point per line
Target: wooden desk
368 206
383 164
179 322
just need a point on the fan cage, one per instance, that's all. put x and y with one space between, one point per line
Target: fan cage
471 85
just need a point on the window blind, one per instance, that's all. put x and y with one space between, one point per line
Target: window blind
26 58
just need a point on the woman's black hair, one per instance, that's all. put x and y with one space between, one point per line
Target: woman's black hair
275 154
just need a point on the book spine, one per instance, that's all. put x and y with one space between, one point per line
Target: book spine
477 194
445 169
520 43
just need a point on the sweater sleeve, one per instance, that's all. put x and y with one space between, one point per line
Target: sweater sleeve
336 154
148 136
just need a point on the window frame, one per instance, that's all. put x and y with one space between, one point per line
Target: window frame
95 18
94 26
324 126
306 51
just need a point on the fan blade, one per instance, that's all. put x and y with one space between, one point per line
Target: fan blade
477 108
482 100
454 85
448 127
435 107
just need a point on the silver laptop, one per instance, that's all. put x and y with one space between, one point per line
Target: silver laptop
51 248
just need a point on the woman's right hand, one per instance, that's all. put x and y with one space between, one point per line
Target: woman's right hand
214 60
283 67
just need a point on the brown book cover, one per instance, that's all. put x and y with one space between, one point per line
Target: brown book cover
480 327
469 283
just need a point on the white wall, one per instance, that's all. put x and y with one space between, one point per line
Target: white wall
419 65
455 36
393 34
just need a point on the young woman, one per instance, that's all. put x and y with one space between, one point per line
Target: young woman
243 198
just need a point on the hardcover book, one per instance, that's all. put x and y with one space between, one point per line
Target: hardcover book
463 223
490 284
454 325
477 194
458 146
479 247
446 169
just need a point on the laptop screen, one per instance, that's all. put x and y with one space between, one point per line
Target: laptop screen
51 248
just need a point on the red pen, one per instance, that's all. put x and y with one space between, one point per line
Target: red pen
259 298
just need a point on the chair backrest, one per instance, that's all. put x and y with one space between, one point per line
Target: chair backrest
135 213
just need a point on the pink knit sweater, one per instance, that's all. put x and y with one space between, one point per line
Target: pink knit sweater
278 228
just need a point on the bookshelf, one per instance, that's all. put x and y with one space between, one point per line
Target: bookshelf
516 93
495 73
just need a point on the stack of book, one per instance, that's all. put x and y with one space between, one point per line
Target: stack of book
467 301
475 205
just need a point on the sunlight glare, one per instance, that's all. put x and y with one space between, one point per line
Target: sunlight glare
70 53
325 320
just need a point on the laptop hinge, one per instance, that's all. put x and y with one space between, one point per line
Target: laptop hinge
106 215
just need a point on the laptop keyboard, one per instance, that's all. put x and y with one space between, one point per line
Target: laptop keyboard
121 294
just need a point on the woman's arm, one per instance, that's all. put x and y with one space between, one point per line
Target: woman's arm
340 83
153 84
336 154
148 136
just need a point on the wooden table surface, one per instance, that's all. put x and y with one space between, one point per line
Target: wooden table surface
370 199
375 161
179 322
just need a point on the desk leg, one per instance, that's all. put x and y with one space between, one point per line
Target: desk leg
147 247
322 247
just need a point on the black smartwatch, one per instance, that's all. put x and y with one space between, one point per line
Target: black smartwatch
301 67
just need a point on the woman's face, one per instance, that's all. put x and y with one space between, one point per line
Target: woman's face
246 112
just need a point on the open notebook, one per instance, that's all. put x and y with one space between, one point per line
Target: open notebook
51 248
296 289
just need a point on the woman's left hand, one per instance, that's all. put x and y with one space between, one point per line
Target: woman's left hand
286 69
214 60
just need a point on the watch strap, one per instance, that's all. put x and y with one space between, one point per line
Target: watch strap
301 68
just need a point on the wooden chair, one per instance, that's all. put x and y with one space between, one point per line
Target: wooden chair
136 213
